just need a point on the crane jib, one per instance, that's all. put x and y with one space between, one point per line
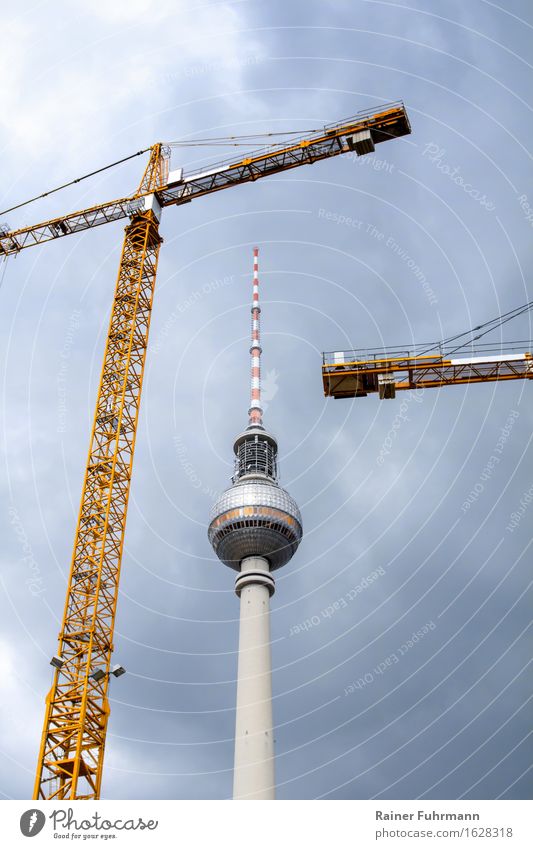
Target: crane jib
71 756
359 134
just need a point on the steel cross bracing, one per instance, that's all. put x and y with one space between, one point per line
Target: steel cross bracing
77 709
73 739
387 123
344 377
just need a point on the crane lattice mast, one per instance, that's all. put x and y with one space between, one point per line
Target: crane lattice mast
77 708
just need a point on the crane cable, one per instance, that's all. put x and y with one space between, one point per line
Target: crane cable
216 141
77 180
239 140
490 325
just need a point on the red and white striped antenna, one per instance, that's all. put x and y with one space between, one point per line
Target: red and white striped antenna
255 413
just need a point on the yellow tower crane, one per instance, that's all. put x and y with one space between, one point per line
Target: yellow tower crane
352 374
77 708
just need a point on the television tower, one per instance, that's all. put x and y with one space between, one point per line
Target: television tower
255 528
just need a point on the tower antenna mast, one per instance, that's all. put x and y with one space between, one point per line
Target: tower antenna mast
255 528
255 412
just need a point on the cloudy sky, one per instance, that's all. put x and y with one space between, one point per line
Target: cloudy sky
362 710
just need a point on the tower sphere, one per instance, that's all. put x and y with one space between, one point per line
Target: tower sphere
255 528
255 517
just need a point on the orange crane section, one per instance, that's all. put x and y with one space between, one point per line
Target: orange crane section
359 134
347 375
77 708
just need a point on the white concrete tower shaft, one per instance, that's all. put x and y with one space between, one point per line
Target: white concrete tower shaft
253 776
255 528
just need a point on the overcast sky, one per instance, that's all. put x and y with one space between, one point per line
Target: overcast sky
360 712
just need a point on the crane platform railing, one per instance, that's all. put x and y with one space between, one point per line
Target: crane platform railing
71 753
359 134
354 374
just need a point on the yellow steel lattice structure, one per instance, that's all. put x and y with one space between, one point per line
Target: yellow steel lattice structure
358 135
346 374
73 740
77 710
